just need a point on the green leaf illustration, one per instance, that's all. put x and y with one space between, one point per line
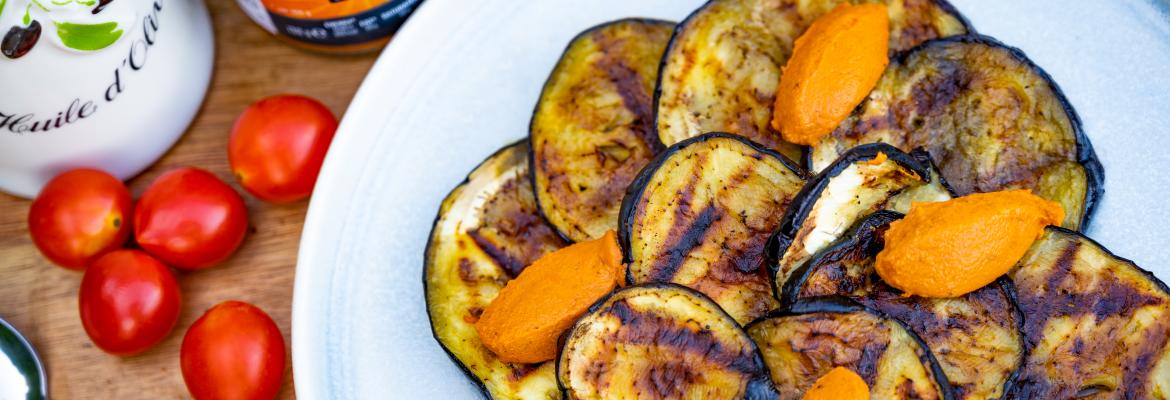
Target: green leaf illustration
88 37
2 4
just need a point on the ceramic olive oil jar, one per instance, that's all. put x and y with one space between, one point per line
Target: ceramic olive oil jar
109 84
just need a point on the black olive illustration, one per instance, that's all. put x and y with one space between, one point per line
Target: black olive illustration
19 40
101 6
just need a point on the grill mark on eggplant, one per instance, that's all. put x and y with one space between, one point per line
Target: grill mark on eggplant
522 371
629 86
749 259
669 341
523 231
652 329
864 361
510 264
991 118
1084 329
933 94
666 265
906 390
467 271
1114 298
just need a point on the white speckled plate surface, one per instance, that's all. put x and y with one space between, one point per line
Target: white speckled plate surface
461 78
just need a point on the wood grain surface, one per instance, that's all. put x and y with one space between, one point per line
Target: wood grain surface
41 299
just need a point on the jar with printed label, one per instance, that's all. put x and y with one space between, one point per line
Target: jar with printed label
331 26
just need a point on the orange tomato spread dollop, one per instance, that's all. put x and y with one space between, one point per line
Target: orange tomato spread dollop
834 65
952 248
523 322
839 384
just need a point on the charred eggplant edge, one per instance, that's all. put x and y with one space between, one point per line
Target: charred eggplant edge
806 199
835 304
1009 289
949 8
753 386
1086 156
806 154
638 185
479 384
539 98
923 157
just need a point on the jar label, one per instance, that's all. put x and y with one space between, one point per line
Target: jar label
330 22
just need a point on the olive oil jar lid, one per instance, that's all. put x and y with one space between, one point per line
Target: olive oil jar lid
331 26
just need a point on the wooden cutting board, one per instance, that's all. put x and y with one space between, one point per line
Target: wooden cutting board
41 299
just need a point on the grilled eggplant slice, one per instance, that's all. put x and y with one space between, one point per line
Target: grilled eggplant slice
812 336
660 341
722 67
593 126
1097 325
700 215
865 179
991 118
486 232
976 338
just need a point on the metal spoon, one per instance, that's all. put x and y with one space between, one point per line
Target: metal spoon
22 376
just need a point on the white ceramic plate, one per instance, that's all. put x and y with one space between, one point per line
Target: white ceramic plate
461 78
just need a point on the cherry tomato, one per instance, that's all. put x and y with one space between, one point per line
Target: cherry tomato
129 301
234 351
278 144
79 215
190 219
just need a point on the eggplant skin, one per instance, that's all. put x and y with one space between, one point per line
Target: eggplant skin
977 338
723 64
1097 325
700 215
991 118
812 336
592 130
856 185
486 232
936 188
660 341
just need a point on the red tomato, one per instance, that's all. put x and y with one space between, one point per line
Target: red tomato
128 301
234 351
79 215
278 144
190 219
